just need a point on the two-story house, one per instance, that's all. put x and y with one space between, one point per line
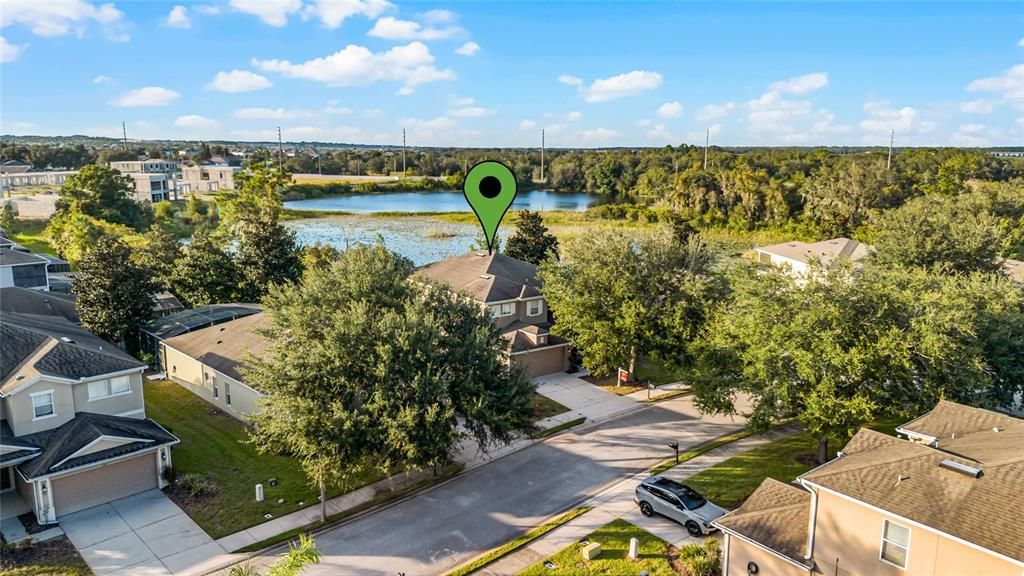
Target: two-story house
73 427
509 290
948 501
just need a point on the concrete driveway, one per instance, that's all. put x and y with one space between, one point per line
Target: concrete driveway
583 397
142 535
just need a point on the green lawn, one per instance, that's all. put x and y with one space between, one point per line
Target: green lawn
730 483
30 235
614 559
654 370
216 445
546 407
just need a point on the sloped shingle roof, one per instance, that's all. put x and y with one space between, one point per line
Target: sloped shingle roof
224 347
776 515
484 277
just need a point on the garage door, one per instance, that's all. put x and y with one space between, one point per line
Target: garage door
543 362
100 485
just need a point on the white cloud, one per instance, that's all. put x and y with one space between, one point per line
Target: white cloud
660 133
405 91
570 80
977 107
178 17
773 113
438 16
266 114
148 96
9 52
463 101
333 13
628 84
574 116
554 128
707 134
825 124
207 9
301 132
1020 42
883 118
643 122
598 135
390 28
337 110
59 18
195 121
468 49
801 84
670 110
714 111
527 125
272 12
972 128
926 127
1010 85
471 112
238 81
439 123
101 79
354 65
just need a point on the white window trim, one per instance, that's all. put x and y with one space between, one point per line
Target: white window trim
53 404
540 307
110 386
883 541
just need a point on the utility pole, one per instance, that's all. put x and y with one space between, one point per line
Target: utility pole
707 141
124 135
319 167
403 152
280 150
542 155
892 138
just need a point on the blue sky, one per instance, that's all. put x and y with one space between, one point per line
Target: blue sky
495 73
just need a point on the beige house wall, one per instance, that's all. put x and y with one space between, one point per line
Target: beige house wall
852 533
121 405
199 379
18 407
81 490
740 553
520 314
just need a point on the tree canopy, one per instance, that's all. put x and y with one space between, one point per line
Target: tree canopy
103 193
531 241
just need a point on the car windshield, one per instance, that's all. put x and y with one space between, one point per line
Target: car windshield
690 498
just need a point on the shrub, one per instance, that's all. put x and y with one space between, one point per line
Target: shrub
170 474
195 484
702 559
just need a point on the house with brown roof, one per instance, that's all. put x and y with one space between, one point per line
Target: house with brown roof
511 293
798 257
947 501
73 426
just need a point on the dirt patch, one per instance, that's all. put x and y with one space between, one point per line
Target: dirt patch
28 520
56 556
186 501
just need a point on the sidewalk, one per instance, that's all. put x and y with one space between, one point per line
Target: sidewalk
617 502
663 390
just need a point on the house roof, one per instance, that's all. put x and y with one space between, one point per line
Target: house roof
35 344
828 252
484 277
224 347
185 321
26 301
776 516
516 332
9 257
906 479
56 445
9 440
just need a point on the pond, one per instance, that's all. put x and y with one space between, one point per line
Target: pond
420 239
441 201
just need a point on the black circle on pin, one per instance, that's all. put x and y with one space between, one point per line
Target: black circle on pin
490 187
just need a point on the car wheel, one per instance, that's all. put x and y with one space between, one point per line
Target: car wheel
646 509
693 528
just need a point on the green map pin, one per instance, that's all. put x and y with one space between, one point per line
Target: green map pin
490 188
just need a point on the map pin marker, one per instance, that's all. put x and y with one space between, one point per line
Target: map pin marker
490 188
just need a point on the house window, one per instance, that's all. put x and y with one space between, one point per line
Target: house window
106 388
895 544
42 405
533 308
216 391
227 393
506 309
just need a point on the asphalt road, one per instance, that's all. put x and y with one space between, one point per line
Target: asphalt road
449 525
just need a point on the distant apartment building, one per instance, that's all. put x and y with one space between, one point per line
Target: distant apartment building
208 178
55 179
154 180
946 502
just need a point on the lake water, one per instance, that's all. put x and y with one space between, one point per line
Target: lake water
420 239
442 201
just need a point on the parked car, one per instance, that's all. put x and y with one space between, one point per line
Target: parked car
659 495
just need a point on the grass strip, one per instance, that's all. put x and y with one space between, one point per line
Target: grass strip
332 519
702 449
513 545
666 396
559 428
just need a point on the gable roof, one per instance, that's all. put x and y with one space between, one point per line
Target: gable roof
56 445
828 252
224 347
51 345
906 479
949 418
776 516
484 277
26 301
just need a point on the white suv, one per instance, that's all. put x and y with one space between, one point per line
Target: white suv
659 495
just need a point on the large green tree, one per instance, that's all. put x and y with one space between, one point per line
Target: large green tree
113 295
265 254
531 242
159 254
846 346
206 273
366 369
257 195
620 297
843 195
103 193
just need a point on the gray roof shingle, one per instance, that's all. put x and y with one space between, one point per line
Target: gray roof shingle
484 277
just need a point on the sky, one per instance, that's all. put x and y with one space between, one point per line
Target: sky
495 73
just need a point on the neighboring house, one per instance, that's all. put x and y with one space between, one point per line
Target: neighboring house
23 269
185 321
28 301
948 501
208 178
207 362
797 257
73 427
509 290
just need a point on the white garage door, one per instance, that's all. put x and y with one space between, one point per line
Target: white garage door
100 485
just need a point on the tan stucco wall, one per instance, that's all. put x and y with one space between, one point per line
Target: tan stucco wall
25 490
188 373
740 553
19 407
521 306
853 533
112 405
